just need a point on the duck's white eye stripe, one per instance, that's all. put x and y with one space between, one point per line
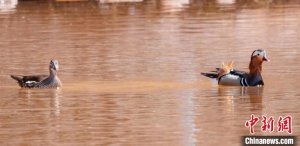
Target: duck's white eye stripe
258 53
255 53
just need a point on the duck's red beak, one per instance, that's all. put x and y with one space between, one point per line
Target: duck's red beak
266 59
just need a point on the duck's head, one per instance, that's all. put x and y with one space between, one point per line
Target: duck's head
257 58
259 55
54 65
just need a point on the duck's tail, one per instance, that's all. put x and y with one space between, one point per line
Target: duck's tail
216 74
210 75
19 79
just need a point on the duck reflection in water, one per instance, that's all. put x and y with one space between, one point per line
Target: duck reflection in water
252 95
43 99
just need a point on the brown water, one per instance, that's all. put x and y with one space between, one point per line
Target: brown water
131 71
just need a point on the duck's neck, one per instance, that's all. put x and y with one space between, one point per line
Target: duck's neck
53 73
255 67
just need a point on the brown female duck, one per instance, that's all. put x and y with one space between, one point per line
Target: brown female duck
41 81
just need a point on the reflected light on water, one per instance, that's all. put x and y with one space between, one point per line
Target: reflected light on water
174 5
119 1
226 2
8 5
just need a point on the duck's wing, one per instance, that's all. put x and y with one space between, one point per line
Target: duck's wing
233 78
239 73
214 74
36 78
50 82
22 80
234 72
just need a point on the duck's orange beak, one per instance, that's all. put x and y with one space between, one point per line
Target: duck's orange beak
266 59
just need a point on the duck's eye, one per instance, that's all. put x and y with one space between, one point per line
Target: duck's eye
258 54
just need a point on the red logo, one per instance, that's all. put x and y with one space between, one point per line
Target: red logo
283 124
251 123
268 124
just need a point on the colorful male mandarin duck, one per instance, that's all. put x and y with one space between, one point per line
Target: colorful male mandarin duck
41 81
226 75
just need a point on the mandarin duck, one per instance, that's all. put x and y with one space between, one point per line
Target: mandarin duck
228 76
41 81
